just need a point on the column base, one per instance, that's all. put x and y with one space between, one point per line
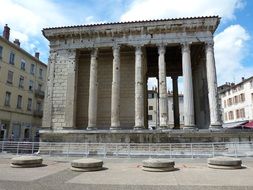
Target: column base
91 128
162 127
139 127
115 128
190 128
176 127
215 127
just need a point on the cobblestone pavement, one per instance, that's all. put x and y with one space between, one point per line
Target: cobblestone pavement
124 173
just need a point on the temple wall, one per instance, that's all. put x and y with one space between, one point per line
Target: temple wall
127 93
201 105
104 90
83 92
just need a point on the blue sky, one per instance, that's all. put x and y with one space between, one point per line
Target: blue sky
233 38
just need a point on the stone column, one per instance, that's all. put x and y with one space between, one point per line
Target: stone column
175 102
47 111
215 120
92 110
163 95
189 121
70 110
115 104
139 90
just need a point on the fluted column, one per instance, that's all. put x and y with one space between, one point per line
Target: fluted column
139 93
163 96
189 121
175 102
70 111
215 120
115 103
92 110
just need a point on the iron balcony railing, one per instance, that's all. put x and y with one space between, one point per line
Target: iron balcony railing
175 150
39 93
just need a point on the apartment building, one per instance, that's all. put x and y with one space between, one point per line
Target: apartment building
237 101
22 86
153 109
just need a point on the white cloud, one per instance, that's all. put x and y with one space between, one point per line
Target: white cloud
157 9
230 51
27 18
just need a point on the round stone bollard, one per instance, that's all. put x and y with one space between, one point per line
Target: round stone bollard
86 165
224 163
158 165
26 162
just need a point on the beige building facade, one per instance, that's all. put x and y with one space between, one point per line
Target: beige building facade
22 86
153 110
237 101
98 74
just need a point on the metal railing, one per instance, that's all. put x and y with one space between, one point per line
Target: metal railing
172 150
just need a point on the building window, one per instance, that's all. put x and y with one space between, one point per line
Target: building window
251 82
39 87
1 52
32 69
225 103
149 117
242 97
229 101
31 85
41 73
22 65
150 107
29 104
151 95
21 82
19 102
12 58
7 99
237 114
236 99
231 115
10 77
242 113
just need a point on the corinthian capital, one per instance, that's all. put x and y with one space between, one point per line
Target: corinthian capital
209 45
185 47
161 49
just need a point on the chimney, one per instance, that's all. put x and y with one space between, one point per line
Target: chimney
17 42
37 55
242 78
6 32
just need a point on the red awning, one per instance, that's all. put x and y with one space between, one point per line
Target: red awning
249 124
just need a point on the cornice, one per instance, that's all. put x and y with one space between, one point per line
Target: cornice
123 29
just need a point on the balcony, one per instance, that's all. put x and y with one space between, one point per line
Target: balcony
39 93
38 113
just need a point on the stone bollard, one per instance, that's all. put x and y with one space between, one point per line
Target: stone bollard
26 162
224 163
86 165
158 165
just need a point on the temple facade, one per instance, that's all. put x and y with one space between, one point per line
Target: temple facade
97 74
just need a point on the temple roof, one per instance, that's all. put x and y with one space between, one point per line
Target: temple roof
129 22
121 29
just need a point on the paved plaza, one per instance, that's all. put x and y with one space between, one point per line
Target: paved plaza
124 173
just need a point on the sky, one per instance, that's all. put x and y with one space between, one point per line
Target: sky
233 38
